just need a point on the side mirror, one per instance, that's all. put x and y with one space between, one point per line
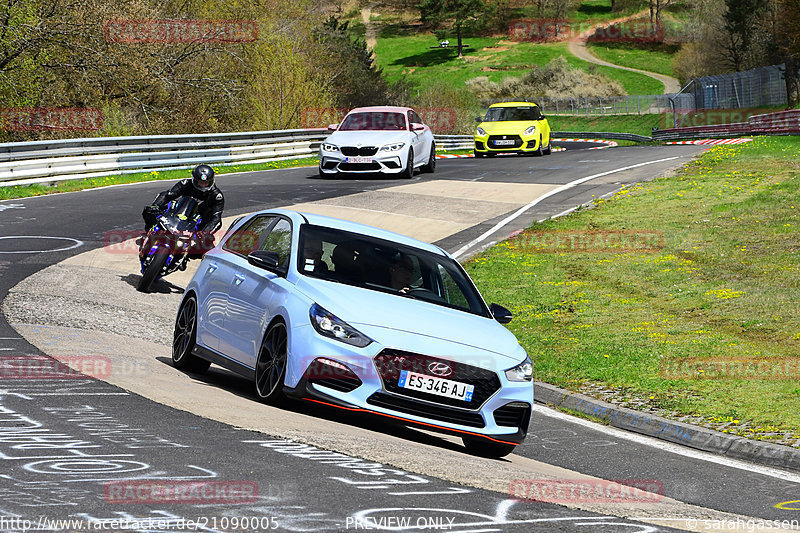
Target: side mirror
333 127
417 127
478 120
266 259
500 313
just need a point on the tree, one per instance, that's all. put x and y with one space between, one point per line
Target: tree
460 14
741 23
787 42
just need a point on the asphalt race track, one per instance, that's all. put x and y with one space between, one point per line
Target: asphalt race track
75 448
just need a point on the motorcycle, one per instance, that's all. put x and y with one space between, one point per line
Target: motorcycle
168 245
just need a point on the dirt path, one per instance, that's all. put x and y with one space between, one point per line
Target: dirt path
577 47
371 31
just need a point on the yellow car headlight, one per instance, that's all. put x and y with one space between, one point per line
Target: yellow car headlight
530 131
481 132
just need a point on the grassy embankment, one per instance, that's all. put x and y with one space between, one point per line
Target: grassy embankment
496 58
725 286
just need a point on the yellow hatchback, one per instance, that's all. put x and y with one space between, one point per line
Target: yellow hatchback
518 127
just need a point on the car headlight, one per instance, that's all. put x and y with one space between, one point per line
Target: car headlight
328 325
392 147
521 372
327 147
481 131
530 131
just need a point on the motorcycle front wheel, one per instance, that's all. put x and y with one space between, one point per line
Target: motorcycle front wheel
152 270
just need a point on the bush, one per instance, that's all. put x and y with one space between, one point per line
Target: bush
555 80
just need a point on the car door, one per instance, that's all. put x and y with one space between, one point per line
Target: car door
252 296
417 139
216 280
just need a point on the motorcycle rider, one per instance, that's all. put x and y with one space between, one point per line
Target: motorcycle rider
202 188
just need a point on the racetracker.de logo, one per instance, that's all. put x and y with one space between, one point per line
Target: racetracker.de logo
65 367
768 369
588 241
587 490
50 119
539 30
148 31
155 491
439 119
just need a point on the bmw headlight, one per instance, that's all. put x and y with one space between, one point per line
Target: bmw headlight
521 372
392 147
530 131
481 132
328 325
328 147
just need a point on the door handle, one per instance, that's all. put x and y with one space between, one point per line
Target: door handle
211 268
238 279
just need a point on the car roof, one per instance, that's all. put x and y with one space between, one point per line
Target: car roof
514 104
382 109
354 227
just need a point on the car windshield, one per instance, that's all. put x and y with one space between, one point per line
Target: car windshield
374 120
503 114
385 266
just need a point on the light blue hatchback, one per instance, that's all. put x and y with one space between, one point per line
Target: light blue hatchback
358 318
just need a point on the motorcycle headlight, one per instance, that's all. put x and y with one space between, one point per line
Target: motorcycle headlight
328 325
328 147
530 131
521 372
392 147
481 131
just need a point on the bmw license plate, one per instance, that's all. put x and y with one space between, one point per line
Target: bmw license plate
434 385
504 142
358 159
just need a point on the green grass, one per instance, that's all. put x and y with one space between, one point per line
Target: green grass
412 56
725 285
653 58
640 124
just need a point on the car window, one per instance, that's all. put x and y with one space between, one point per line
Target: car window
279 240
385 266
413 117
374 121
246 239
502 114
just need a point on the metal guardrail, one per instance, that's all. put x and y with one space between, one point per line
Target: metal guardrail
603 135
57 160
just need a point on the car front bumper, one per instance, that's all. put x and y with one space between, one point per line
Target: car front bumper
503 416
384 162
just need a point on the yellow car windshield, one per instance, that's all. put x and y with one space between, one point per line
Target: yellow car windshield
504 114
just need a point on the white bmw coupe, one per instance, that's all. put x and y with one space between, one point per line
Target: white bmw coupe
391 140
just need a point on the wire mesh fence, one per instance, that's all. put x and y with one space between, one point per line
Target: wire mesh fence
763 87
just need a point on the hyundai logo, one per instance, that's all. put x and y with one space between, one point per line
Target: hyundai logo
440 369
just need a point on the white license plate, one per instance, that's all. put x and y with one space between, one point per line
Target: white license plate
358 159
504 142
434 385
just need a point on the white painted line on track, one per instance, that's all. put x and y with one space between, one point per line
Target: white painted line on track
76 244
670 447
562 188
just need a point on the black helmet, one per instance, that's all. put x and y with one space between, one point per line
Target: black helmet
203 178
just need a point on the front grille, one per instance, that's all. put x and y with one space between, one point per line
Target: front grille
352 151
434 412
494 138
359 166
390 362
513 415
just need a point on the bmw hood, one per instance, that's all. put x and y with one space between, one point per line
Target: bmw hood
367 138
413 325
